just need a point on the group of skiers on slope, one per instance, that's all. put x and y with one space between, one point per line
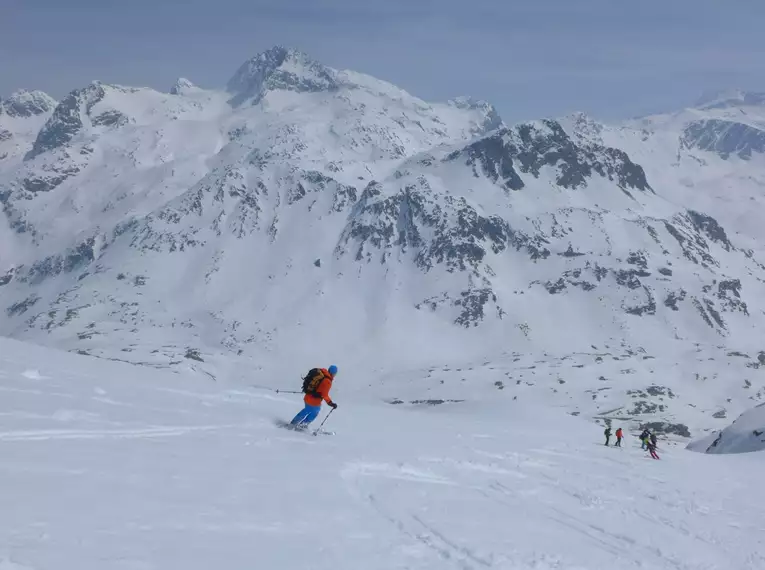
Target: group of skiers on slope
318 382
647 438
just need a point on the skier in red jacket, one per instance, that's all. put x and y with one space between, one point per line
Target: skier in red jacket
317 391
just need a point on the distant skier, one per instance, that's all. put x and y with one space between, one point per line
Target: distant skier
316 385
644 438
619 436
607 433
653 439
652 447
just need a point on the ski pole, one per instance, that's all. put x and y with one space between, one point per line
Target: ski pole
322 423
277 390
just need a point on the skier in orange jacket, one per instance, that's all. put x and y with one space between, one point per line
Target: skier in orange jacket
317 385
619 436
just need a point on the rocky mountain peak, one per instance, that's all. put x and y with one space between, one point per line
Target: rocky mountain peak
279 68
492 120
182 86
23 103
66 120
583 128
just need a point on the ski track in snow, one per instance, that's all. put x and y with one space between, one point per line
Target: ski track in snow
166 431
165 471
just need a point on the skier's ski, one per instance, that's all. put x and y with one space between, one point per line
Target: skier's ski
301 429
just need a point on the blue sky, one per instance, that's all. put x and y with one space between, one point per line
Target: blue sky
531 58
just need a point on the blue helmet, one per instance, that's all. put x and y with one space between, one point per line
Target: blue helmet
332 370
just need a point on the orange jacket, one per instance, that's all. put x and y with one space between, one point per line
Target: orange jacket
619 433
324 387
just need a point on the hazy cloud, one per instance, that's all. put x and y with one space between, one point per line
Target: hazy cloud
530 58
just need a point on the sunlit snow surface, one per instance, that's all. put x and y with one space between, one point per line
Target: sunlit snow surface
110 466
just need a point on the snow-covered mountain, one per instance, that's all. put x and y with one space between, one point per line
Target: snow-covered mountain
744 435
306 213
21 117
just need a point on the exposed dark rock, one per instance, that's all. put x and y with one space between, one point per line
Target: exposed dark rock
708 226
193 354
51 179
688 235
638 258
724 138
729 293
667 428
26 104
659 391
459 237
182 86
630 277
642 407
653 390
112 118
673 298
556 287
66 120
279 69
494 156
313 182
72 260
714 313
8 277
530 146
471 304
22 306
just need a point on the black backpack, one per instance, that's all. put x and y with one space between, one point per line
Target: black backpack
312 381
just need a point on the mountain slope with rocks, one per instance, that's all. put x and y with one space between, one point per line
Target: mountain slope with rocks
306 211
745 435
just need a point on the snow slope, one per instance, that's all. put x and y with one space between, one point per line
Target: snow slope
745 435
111 466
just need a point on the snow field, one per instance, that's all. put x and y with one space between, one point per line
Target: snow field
106 465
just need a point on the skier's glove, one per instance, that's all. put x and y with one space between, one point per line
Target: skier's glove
332 405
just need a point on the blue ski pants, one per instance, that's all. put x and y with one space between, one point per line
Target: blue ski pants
306 415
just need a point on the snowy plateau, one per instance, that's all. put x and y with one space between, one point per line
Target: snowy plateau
493 294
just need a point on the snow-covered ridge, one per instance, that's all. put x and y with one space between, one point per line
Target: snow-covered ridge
183 86
745 435
146 226
23 104
730 98
279 69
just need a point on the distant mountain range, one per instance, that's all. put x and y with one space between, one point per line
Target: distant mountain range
305 211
